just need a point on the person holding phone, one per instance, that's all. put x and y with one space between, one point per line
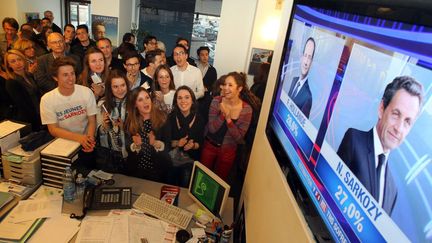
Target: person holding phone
94 72
111 134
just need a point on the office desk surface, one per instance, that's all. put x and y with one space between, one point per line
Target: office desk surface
152 188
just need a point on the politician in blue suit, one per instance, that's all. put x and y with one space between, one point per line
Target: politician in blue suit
366 152
299 90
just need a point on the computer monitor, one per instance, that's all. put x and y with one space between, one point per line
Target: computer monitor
344 96
208 190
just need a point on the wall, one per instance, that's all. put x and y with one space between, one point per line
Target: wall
8 9
271 212
125 18
17 8
235 30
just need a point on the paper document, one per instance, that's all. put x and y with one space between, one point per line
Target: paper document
34 209
153 230
8 127
119 226
15 231
104 229
58 229
47 193
61 147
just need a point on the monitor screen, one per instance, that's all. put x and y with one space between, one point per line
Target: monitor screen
207 189
351 117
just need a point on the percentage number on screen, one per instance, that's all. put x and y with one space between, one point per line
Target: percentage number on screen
349 209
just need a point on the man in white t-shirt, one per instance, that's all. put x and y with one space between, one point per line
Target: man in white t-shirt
186 74
69 110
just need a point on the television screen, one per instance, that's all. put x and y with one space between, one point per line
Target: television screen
352 114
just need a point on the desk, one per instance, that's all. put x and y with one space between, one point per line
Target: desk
152 188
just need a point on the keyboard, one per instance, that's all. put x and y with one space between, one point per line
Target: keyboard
162 210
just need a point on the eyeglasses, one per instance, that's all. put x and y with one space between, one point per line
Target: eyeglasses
59 42
180 53
129 65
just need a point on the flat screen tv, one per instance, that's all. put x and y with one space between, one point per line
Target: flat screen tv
351 118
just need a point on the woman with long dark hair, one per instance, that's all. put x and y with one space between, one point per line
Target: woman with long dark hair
111 132
147 137
187 135
229 119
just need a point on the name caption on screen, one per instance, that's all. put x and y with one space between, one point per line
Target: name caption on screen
364 199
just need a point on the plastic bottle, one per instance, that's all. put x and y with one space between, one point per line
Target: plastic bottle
80 185
68 185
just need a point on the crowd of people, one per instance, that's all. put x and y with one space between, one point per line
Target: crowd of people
139 113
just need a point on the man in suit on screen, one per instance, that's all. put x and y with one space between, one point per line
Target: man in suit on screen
366 152
299 90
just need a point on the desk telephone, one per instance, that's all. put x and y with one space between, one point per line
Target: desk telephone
108 198
105 198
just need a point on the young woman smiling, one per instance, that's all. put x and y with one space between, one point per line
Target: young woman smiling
164 88
111 132
94 72
187 135
147 137
229 119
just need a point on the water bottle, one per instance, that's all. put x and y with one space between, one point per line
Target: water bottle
80 185
68 185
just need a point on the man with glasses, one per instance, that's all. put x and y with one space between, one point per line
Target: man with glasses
184 42
42 75
186 74
149 44
131 62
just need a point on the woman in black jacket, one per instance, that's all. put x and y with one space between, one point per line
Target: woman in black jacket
187 135
22 89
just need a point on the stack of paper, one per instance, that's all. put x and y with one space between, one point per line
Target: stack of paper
18 232
61 147
55 158
26 217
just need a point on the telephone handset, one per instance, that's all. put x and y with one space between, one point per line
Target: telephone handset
105 198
